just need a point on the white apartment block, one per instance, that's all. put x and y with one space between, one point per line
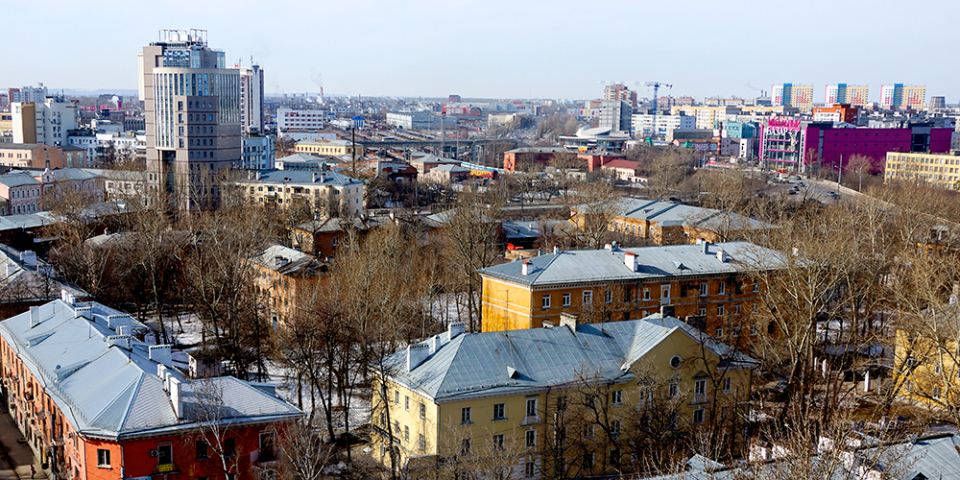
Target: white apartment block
296 119
643 124
47 122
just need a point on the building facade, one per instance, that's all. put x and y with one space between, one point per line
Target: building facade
328 147
37 155
620 92
899 96
790 95
857 95
702 281
259 152
616 115
251 100
192 110
642 124
95 403
840 112
940 170
327 193
45 122
549 402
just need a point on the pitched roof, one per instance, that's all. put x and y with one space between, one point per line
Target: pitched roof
653 262
659 211
302 177
18 179
30 282
287 261
113 391
507 363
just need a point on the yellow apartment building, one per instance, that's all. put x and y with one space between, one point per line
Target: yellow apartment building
937 169
553 402
927 360
713 282
328 147
327 193
285 277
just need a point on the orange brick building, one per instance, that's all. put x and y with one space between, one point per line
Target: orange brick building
96 403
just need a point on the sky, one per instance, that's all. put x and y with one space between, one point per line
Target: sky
556 49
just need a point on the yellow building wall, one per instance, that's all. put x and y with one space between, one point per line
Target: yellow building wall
444 430
934 367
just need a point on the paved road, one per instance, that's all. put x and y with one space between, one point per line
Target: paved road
15 457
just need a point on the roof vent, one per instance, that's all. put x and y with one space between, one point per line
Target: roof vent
630 260
455 330
706 247
722 256
122 341
34 316
512 372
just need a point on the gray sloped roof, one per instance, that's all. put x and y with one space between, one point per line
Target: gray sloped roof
18 179
709 218
654 262
479 363
29 283
109 391
287 261
303 177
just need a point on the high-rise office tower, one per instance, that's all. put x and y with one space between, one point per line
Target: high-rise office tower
193 118
251 99
843 93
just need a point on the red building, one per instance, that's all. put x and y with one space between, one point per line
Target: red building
96 403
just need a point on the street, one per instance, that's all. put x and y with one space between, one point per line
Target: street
15 457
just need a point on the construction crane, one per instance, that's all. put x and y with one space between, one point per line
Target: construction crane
656 88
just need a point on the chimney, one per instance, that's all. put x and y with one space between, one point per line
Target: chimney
608 247
455 330
568 320
28 257
257 175
722 256
175 397
85 312
416 354
315 175
435 344
706 246
122 341
556 249
630 260
525 268
11 269
34 316
160 354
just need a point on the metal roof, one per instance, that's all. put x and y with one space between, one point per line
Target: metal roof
287 261
504 363
302 178
577 266
112 391
709 218
18 179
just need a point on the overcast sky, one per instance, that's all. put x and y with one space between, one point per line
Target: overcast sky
502 49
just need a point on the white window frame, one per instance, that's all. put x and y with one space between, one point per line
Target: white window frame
530 438
566 299
721 310
719 333
722 288
665 292
700 388
587 298
701 413
103 454
466 416
727 385
704 289
616 397
545 302
608 296
533 412
646 293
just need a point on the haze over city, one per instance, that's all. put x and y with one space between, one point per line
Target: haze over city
500 49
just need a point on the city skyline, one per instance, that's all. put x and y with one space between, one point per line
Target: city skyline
500 49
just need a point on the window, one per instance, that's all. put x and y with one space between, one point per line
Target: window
498 411
719 332
423 411
396 427
383 419
465 446
698 416
664 292
754 330
268 452
646 294
723 288
756 286
498 442
727 384
396 398
720 310
422 443
406 402
465 416
675 361
230 447
202 450
165 458
588 431
674 390
546 301
566 299
406 433
616 397
608 296
736 331
588 461
335 242
700 387
531 437
531 407
103 458
703 289
702 311
615 428
529 469
587 297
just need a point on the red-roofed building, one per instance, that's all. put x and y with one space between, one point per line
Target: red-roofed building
623 170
